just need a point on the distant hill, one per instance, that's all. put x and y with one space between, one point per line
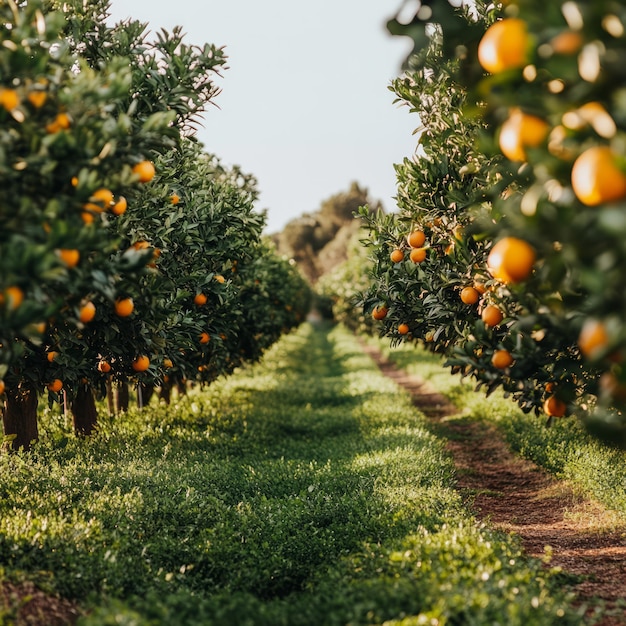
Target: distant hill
318 241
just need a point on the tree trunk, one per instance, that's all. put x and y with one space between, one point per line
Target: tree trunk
20 416
123 397
166 391
84 411
110 398
144 394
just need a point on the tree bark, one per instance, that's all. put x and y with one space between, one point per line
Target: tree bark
166 391
122 396
146 394
20 416
110 398
84 412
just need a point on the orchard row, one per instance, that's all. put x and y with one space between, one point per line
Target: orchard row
129 254
508 254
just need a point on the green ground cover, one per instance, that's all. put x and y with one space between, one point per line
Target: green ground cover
564 448
306 490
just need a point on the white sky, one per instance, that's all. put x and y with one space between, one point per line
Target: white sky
305 104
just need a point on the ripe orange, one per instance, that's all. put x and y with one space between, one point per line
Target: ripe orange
502 359
417 255
174 198
61 122
37 98
469 295
380 312
51 356
593 338
568 42
403 329
13 296
492 315
2 387
596 178
416 239
167 363
397 255
56 385
87 312
104 366
141 363
145 171
511 260
200 299
87 217
220 279
124 307
69 257
120 206
141 245
205 337
9 99
504 46
521 131
554 407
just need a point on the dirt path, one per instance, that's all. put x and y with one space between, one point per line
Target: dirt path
515 495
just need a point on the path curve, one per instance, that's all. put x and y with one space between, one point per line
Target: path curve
516 496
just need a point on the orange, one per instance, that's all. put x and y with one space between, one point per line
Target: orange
205 337
2 387
9 99
380 312
521 131
104 366
87 312
417 255
61 122
504 46
403 329
596 178
51 356
220 279
416 239
511 260
14 297
469 295
120 206
174 198
502 359
200 299
69 257
141 245
56 385
593 338
492 315
397 255
168 363
145 171
87 217
554 407
37 98
124 306
141 363
568 42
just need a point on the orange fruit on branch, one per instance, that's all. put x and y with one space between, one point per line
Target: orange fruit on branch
596 177
145 171
417 255
87 312
56 385
511 260
397 255
141 363
416 238
521 131
124 307
69 257
200 299
502 359
380 312
469 295
492 315
403 329
554 407
593 338
504 46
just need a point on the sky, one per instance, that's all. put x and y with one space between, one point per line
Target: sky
305 104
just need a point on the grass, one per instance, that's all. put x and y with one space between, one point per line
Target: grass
565 449
304 491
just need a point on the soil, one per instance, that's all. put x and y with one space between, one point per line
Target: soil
514 495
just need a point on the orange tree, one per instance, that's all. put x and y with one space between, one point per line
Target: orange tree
519 196
66 141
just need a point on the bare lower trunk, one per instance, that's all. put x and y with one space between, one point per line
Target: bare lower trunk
84 411
122 397
144 394
166 391
110 398
20 416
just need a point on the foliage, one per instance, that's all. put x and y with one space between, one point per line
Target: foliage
304 490
483 177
